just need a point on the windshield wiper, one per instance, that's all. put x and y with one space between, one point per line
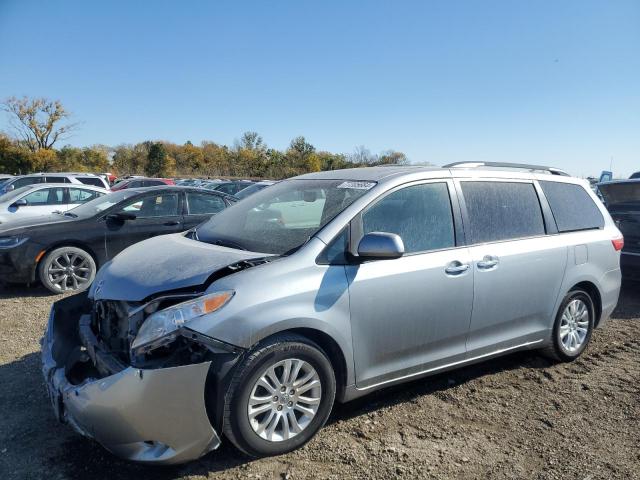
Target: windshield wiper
228 244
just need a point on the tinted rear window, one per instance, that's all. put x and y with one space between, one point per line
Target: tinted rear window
91 181
572 207
502 211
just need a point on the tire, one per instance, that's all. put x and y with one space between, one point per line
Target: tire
569 338
251 434
67 269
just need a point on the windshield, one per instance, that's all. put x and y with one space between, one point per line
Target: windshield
13 194
250 190
283 217
615 193
102 203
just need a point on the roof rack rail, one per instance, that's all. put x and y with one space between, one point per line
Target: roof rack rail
522 166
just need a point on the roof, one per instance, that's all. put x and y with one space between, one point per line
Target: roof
630 181
374 174
179 188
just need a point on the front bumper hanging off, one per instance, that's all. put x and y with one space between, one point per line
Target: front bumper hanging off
145 415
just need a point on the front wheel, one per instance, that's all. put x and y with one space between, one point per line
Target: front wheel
67 269
279 397
573 327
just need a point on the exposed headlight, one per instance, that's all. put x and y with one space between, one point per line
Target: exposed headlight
13 241
162 327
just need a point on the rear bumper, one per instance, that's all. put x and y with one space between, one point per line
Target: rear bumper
610 292
151 416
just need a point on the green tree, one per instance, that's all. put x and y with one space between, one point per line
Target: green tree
158 164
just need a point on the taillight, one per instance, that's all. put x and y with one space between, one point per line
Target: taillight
618 243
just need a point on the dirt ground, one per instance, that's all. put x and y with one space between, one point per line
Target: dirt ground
519 416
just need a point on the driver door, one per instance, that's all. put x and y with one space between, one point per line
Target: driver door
411 314
156 214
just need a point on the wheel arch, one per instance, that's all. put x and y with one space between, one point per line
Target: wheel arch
595 295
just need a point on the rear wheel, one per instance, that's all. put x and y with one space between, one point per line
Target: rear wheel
573 327
279 397
67 269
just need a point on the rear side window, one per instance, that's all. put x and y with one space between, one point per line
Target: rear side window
151 183
56 180
96 182
572 207
202 203
502 211
79 195
420 214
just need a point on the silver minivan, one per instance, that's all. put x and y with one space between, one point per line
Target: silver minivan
323 288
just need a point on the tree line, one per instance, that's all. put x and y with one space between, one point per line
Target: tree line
38 125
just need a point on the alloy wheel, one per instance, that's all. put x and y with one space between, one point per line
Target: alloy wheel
574 325
69 271
284 400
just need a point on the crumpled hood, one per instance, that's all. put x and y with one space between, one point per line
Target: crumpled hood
163 263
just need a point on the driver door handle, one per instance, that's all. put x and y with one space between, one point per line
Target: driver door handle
171 223
456 267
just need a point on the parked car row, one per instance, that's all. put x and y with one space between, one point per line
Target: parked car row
12 183
64 250
320 288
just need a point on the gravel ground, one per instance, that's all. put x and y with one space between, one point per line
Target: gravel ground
513 417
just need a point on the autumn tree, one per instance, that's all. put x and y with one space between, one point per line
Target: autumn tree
39 122
158 162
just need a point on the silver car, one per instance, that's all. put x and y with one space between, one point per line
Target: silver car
323 288
41 199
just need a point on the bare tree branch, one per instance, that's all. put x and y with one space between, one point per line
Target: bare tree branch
37 122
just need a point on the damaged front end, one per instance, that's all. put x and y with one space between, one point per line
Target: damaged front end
133 376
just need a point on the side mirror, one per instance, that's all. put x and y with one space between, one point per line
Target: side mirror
20 203
380 246
121 216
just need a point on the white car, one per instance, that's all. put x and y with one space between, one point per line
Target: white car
14 183
43 199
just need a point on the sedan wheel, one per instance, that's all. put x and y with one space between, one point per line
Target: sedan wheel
67 269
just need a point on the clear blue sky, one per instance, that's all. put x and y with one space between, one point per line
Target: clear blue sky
552 82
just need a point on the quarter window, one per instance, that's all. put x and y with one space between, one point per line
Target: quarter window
78 195
502 211
572 207
202 204
421 215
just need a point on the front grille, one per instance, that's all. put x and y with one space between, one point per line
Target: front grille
114 326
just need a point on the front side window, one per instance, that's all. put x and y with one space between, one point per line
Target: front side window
203 204
572 207
151 206
502 211
421 215
45 196
22 182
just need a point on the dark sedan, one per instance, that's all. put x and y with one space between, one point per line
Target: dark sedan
622 199
65 250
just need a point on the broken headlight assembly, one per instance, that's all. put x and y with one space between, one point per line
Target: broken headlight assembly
163 326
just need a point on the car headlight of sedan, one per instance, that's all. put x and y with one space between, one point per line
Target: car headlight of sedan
163 326
12 241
